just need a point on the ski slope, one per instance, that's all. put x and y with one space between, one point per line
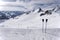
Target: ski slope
26 34
33 20
28 27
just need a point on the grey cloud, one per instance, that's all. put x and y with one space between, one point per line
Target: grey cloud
9 0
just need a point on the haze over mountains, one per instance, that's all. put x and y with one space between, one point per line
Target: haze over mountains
28 4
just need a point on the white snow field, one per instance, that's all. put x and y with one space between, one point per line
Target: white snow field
33 20
28 34
29 27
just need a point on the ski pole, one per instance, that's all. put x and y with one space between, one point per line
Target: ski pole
42 25
46 25
43 29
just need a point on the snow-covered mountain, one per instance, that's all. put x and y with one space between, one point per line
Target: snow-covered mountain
33 20
27 26
57 8
21 6
9 14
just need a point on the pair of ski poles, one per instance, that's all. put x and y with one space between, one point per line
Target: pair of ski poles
44 28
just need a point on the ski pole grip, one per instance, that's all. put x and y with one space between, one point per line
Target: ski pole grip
46 20
42 20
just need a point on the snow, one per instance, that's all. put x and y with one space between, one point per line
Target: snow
28 26
27 34
32 20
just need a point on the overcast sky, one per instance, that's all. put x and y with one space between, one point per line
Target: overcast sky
34 1
31 3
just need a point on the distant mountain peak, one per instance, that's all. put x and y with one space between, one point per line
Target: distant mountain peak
37 10
57 8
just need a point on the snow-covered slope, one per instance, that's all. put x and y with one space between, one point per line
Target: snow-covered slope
27 34
32 20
